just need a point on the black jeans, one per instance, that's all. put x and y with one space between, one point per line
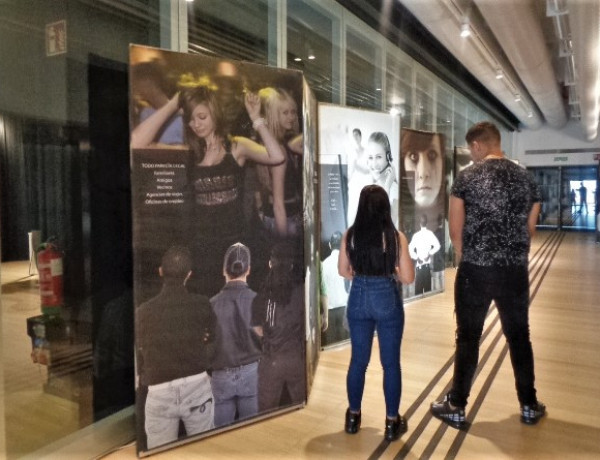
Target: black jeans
475 288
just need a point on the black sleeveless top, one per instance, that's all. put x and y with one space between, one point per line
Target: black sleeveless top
218 198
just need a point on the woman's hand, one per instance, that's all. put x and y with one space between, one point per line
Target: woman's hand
145 133
252 102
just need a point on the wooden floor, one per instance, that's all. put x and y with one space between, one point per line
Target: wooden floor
565 331
33 417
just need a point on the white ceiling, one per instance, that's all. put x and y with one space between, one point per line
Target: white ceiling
546 50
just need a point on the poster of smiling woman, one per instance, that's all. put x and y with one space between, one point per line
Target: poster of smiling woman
356 148
218 160
423 196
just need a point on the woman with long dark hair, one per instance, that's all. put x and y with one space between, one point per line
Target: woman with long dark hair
374 255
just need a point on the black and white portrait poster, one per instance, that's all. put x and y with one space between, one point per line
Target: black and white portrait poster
462 159
218 160
423 198
356 148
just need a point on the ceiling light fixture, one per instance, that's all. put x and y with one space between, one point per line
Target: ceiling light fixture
465 29
499 74
517 97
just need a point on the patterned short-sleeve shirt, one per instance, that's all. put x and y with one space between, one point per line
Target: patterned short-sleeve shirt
498 195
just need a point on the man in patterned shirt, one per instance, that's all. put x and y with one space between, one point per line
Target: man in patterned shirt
494 206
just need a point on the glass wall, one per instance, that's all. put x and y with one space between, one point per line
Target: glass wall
398 88
364 87
313 46
64 168
243 35
64 162
424 103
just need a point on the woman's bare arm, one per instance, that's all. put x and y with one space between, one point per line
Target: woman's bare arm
270 152
405 270
344 267
144 134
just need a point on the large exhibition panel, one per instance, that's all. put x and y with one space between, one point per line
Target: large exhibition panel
219 160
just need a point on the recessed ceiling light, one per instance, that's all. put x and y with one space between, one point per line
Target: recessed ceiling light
465 30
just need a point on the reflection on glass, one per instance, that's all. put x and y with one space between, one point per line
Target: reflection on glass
423 103
243 35
363 74
399 89
311 49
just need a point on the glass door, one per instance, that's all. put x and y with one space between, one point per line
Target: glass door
568 197
548 180
579 191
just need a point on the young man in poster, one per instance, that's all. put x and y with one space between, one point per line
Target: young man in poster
175 347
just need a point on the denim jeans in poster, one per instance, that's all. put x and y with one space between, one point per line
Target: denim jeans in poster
236 391
475 288
375 304
188 399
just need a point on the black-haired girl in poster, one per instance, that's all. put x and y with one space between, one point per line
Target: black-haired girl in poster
278 316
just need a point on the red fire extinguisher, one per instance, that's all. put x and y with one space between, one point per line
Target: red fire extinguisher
50 269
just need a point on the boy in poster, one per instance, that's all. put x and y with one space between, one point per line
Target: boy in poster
235 365
174 349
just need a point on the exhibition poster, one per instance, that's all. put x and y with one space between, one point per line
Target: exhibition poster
423 208
219 159
311 236
356 148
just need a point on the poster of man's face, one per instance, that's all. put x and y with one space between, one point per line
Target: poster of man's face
218 164
423 198
356 148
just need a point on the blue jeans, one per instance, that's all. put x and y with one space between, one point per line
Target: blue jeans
375 304
188 399
235 389
475 288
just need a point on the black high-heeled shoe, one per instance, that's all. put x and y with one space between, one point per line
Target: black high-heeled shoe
352 422
394 428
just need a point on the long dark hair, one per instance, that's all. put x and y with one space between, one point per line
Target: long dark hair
373 233
189 99
286 272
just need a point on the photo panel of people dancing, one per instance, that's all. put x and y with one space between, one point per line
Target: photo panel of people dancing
356 148
217 156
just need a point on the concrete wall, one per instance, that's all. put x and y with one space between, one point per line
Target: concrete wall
566 147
